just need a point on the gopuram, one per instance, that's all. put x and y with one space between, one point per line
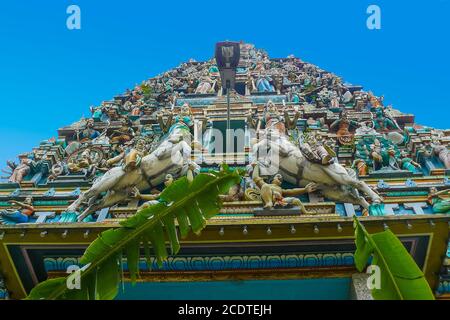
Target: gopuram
315 151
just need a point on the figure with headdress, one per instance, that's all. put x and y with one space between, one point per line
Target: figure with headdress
88 133
343 125
22 214
439 204
315 150
442 153
206 85
383 121
19 172
123 134
408 164
273 195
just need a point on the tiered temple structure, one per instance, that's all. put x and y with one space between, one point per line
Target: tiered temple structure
316 151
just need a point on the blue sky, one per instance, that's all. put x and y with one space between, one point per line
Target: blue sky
49 75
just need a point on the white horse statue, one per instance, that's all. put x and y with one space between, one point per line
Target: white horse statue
275 153
172 156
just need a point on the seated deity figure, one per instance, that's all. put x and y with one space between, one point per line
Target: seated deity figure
20 215
366 129
206 85
137 109
375 154
343 126
20 171
259 67
278 83
83 164
124 134
88 133
274 121
440 204
408 164
249 85
393 163
315 150
131 158
383 121
97 113
334 101
191 85
274 196
263 84
185 119
361 167
347 97
443 154
374 101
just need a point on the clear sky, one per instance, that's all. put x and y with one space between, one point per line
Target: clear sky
49 75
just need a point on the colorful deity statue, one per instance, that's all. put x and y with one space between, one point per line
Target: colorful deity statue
124 134
374 102
20 171
83 164
88 133
273 195
184 120
136 110
294 96
366 129
439 204
22 214
361 167
408 164
206 85
343 126
274 122
131 157
443 154
375 153
383 121
315 150
393 163
98 113
263 84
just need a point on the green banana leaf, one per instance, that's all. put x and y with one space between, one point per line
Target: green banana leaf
400 278
189 203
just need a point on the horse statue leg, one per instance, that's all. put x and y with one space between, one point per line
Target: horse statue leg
105 183
343 178
110 199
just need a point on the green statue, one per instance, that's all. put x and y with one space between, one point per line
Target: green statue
440 205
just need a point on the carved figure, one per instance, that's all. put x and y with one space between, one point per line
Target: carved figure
335 182
273 195
440 205
20 171
171 156
21 215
